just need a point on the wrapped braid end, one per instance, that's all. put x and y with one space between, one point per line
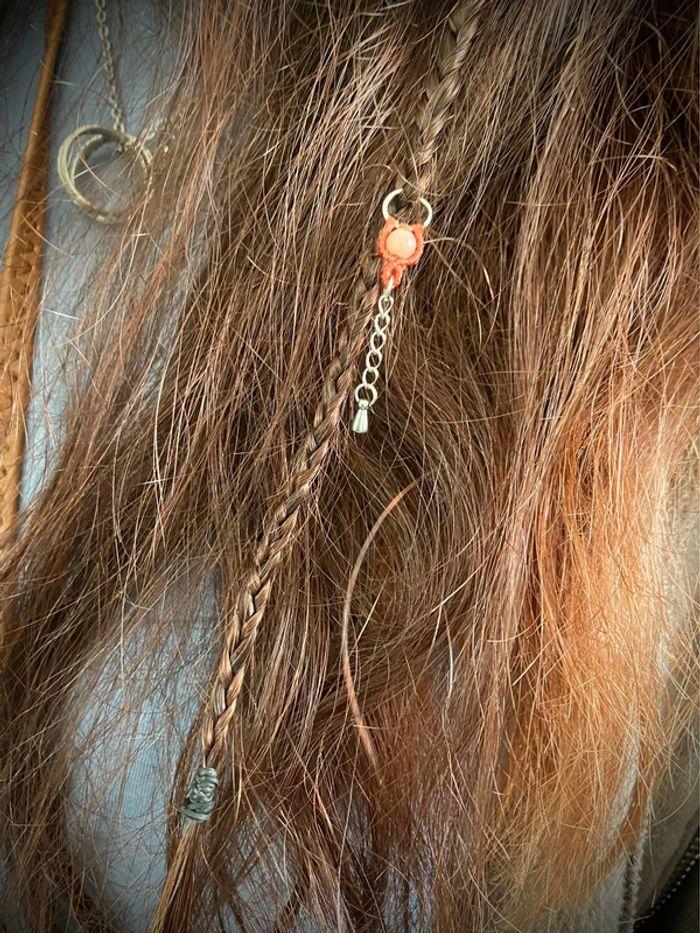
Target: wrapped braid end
200 800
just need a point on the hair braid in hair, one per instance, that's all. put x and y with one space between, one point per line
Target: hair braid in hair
440 92
281 522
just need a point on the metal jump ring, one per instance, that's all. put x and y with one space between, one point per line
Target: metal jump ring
370 389
386 204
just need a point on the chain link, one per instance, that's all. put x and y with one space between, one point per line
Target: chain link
159 129
110 71
366 393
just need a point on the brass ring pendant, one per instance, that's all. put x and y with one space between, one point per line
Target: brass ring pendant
92 137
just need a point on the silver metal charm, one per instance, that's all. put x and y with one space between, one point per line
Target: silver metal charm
200 799
366 393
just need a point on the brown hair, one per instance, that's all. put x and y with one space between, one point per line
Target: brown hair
451 629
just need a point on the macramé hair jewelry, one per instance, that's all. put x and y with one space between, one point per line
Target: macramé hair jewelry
400 245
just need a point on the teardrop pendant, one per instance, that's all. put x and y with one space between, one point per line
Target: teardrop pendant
360 424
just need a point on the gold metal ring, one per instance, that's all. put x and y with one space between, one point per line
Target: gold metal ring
92 137
386 204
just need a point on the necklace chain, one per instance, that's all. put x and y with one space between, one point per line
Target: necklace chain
108 62
76 148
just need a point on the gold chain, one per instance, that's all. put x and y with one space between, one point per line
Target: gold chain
110 71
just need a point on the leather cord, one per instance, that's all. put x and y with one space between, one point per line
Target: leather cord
20 281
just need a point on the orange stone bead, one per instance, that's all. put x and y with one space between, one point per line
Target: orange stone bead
401 243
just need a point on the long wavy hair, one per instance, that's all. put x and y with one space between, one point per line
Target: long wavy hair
430 664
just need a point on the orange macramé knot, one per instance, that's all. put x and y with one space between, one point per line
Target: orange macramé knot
400 245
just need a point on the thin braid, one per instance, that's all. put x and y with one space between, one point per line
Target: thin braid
281 522
440 92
